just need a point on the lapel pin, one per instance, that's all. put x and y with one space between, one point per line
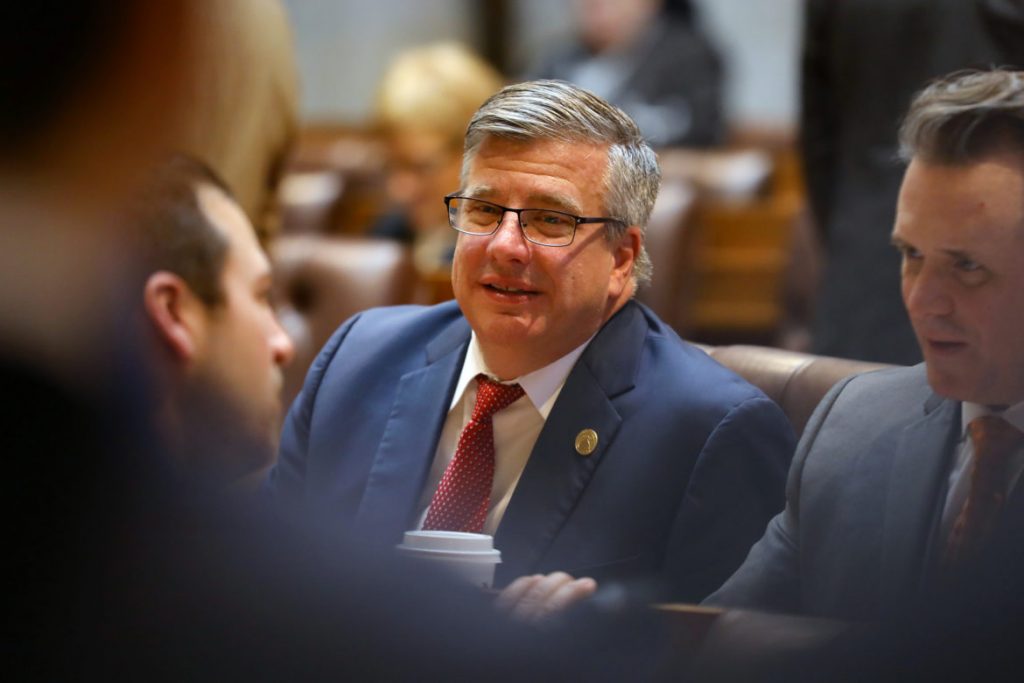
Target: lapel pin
586 442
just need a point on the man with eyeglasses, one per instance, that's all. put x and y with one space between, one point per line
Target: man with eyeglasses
543 406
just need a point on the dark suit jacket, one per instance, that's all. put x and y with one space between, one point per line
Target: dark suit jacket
863 62
688 469
864 500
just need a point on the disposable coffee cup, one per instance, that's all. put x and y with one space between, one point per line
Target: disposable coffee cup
471 557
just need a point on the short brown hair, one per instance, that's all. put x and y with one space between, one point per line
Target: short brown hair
175 234
965 116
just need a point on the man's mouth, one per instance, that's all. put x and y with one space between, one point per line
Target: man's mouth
509 290
944 345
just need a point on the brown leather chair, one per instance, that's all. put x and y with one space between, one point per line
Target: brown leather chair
333 182
796 381
320 281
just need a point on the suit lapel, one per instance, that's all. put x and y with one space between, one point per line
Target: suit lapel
410 437
556 475
917 483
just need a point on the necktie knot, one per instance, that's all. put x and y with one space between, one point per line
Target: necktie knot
493 396
994 441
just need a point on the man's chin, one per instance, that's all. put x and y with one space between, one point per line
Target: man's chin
944 383
223 442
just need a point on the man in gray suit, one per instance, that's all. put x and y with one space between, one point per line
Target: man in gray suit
886 484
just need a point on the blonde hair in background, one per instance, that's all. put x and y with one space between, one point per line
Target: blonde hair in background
435 88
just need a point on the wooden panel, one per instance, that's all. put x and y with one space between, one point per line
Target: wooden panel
738 256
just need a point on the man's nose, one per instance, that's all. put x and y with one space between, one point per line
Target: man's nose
281 345
927 293
508 241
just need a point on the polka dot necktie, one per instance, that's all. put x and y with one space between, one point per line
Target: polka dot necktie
995 440
464 494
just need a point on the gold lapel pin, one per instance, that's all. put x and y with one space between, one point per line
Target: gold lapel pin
586 442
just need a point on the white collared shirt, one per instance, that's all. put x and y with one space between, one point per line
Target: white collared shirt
516 428
960 474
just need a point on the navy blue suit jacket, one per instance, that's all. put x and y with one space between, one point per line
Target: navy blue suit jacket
689 467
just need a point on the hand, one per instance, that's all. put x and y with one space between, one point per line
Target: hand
535 598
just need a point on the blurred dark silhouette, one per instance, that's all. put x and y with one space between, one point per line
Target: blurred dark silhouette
649 58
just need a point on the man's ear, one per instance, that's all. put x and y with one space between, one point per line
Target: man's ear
626 252
176 313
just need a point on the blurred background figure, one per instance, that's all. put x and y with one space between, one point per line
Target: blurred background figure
244 108
863 61
650 58
424 102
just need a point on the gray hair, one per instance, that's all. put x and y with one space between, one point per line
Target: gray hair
965 116
556 110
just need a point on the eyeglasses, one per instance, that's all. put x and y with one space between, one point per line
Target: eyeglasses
546 227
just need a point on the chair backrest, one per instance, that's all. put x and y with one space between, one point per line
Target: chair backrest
333 182
320 281
796 381
737 250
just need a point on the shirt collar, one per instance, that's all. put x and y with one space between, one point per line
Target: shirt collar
1013 414
541 386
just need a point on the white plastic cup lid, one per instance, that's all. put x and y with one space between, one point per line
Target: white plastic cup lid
472 557
449 541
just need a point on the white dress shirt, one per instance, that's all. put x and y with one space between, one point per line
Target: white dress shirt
960 474
516 428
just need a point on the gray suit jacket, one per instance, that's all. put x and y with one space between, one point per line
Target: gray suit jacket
863 501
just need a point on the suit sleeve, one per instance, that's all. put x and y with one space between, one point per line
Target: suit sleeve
737 484
287 480
769 579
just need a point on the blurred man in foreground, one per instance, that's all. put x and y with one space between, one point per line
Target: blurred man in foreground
220 347
906 482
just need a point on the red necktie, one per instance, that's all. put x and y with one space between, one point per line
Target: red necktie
995 440
464 494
